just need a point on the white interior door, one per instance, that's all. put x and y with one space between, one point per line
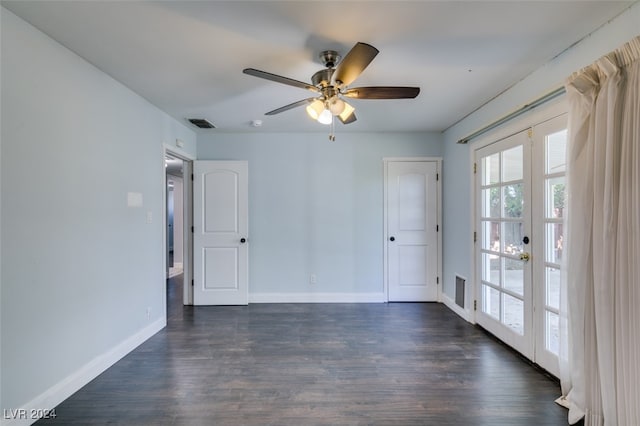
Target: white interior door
220 233
412 242
503 191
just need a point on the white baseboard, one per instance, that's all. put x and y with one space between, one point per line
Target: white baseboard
449 303
62 390
316 298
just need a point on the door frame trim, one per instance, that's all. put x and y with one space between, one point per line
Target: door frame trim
187 201
385 230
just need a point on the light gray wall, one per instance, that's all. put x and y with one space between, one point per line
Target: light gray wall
79 268
316 207
456 169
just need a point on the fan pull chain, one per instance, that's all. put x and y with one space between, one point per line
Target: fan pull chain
332 136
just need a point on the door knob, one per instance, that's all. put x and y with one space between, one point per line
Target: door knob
525 256
392 238
243 240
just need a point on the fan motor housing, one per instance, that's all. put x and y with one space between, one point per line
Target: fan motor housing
322 78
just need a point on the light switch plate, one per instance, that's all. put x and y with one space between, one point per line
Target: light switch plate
134 199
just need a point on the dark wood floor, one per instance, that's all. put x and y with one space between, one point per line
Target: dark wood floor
316 364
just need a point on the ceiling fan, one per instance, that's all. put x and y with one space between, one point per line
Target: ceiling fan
331 85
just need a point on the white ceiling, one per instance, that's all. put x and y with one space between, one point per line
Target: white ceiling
187 57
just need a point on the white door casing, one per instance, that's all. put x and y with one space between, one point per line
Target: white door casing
221 237
187 223
412 246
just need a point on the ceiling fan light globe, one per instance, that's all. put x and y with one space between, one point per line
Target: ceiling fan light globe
325 117
336 106
315 108
346 111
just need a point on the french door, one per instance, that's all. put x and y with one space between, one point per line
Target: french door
519 208
550 140
503 189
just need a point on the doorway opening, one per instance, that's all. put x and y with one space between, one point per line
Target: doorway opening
178 237
175 216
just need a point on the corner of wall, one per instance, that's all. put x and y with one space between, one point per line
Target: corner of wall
463 313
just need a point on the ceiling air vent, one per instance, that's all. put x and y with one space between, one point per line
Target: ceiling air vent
202 123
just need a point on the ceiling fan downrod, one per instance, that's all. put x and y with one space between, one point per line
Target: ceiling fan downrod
329 58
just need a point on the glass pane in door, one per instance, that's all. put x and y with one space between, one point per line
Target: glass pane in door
491 236
513 202
491 169
513 313
552 332
491 270
513 235
552 288
556 144
512 164
491 301
491 202
514 276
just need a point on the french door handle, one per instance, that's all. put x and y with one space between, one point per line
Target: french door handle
525 256
243 240
392 238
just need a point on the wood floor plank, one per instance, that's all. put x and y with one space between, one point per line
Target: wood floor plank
316 364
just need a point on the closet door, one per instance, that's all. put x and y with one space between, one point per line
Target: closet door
412 228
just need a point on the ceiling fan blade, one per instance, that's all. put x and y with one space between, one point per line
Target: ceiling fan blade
382 92
279 79
290 106
358 58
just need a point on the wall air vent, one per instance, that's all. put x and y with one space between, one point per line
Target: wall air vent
201 123
460 290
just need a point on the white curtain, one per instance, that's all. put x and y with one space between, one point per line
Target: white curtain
600 298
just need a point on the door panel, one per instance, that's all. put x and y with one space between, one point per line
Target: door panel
412 244
221 268
221 212
550 144
412 268
503 191
411 196
220 233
